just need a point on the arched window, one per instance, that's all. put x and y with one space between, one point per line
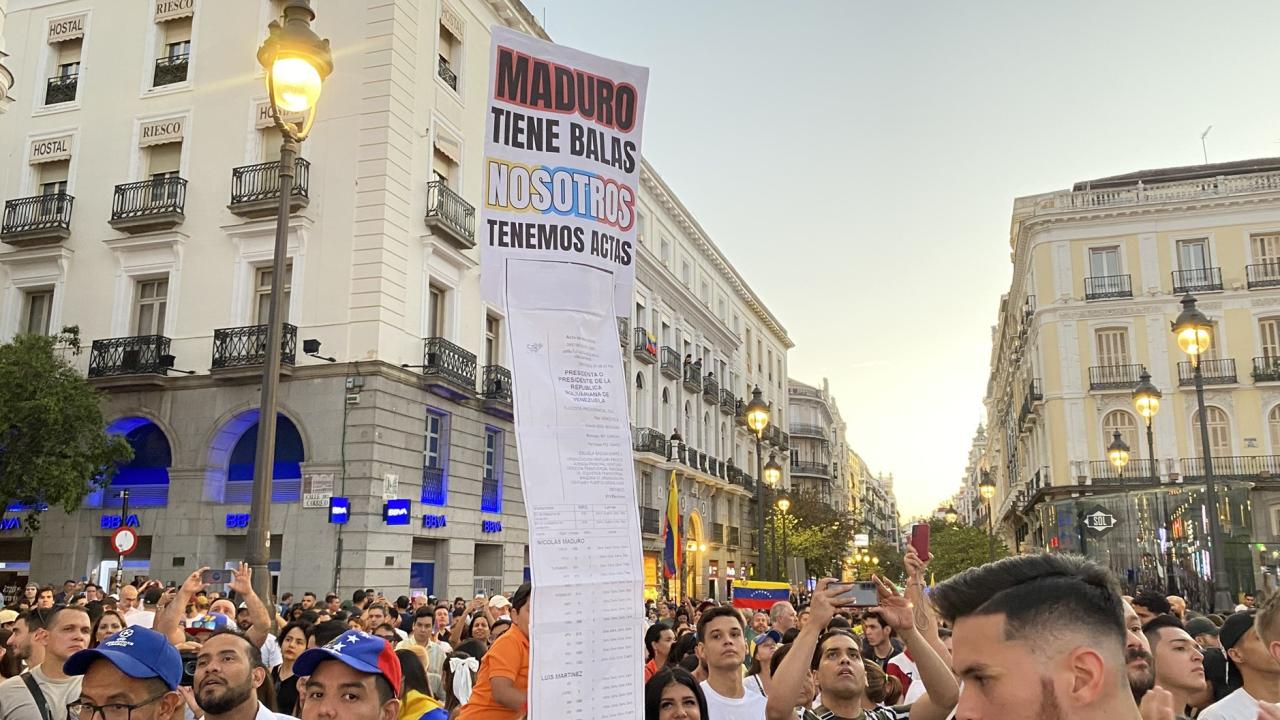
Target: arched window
1273 424
1219 431
666 411
1128 427
641 402
706 432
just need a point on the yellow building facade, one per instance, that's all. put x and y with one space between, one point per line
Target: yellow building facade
1098 275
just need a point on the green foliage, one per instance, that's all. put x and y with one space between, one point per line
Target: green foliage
53 443
891 566
957 548
814 531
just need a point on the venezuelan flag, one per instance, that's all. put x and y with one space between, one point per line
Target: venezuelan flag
671 534
759 595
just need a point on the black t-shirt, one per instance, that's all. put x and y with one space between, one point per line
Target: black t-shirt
869 653
286 692
1215 671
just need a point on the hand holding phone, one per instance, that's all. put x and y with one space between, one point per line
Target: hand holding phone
857 594
215 577
920 540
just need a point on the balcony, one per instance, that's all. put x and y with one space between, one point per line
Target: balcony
448 213
449 370
740 412
728 403
1114 377
255 189
648 440
446 73
1138 470
748 482
1266 369
733 474
246 347
171 69
1107 287
495 391
1035 391
670 363
140 355
155 204
38 220
693 377
650 521
1197 280
434 487
810 468
61 89
806 430
1215 372
1155 193
710 389
735 536
1233 466
645 348
1263 275
784 440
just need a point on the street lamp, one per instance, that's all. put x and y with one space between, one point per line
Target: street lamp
1146 400
1195 335
694 546
784 504
1118 454
297 61
757 414
987 489
950 514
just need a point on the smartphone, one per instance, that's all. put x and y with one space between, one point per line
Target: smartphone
858 594
920 540
215 577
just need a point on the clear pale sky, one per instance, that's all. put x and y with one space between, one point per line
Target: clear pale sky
858 161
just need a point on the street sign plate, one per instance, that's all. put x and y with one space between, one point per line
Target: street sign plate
316 500
124 540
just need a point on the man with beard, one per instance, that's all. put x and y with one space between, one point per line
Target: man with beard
1179 664
1137 654
229 671
1038 636
45 690
20 643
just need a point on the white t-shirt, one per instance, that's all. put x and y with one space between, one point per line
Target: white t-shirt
140 618
748 707
1239 705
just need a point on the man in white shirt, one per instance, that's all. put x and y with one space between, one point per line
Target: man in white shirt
146 615
1247 655
61 632
722 645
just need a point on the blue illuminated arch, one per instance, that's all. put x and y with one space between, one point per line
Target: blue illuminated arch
146 476
235 447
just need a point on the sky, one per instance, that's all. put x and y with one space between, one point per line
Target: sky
858 161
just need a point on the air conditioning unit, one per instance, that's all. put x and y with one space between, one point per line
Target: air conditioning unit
353 398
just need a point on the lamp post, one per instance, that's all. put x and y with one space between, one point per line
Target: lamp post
987 489
863 559
757 413
784 504
693 547
772 477
950 515
1146 400
1194 333
297 61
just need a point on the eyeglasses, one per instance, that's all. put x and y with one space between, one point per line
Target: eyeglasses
111 711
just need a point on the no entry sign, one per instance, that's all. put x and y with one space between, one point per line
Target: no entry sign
124 540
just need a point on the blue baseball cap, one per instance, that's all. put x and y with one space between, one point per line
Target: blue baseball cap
135 651
358 650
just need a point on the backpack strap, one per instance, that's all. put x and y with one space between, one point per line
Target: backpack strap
37 694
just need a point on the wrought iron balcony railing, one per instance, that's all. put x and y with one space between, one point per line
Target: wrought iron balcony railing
247 346
495 384
1137 469
447 210
491 494
138 355
670 363
149 200
650 441
1197 280
1114 377
1266 369
711 389
1215 372
645 348
1233 466
693 377
41 216
728 403
1035 391
1104 287
807 430
434 487
809 467
442 359
171 69
446 73
61 88
1263 274
733 474
261 182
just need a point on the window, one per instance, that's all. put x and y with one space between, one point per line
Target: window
770 365
1104 261
705 293
37 313
53 177
686 274
1273 424
646 487
150 301
175 55
1193 254
435 311
1128 427
720 308
491 487
1219 430
435 458
1266 248
641 401
450 52
666 252
262 293
163 162
1269 332
443 168
491 326
640 228
759 356
63 85
1113 346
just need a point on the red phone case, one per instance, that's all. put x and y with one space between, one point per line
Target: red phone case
920 540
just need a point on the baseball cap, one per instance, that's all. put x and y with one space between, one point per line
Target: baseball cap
357 650
8 616
773 635
498 602
135 651
210 622
1201 626
1233 629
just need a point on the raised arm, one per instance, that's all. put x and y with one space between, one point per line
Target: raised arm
242 584
941 690
168 621
788 682
926 620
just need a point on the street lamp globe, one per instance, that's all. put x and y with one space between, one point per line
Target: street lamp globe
1146 397
1118 451
702 547
1192 329
986 487
950 514
297 62
784 504
772 472
757 412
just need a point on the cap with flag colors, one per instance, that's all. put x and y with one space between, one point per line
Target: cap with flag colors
759 594
671 533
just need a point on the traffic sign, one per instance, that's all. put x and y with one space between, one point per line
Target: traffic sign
124 540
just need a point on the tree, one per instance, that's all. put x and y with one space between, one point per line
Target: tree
814 531
957 548
54 448
891 567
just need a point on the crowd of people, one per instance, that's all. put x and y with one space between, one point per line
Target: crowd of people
156 652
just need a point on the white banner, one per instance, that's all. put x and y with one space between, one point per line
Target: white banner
562 161
574 444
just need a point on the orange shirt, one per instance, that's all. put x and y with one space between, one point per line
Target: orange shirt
508 658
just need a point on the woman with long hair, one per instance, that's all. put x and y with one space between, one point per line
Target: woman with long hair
459 676
108 623
477 629
658 640
673 694
760 673
415 695
293 640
